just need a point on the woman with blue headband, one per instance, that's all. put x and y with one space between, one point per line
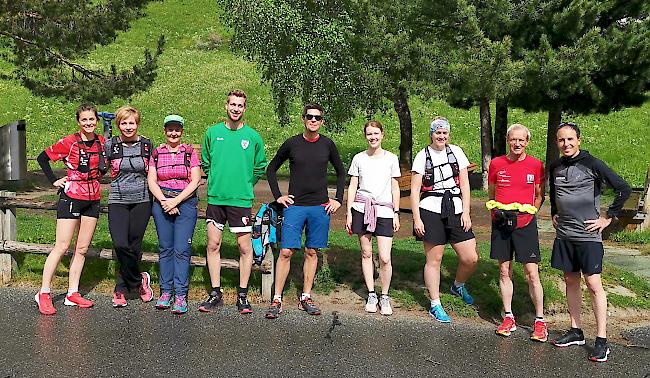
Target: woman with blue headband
440 200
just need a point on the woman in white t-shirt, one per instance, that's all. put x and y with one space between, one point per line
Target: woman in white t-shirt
373 210
440 200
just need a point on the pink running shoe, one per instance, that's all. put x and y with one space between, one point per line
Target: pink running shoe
75 299
146 294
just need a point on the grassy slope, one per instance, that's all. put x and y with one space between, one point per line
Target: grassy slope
193 82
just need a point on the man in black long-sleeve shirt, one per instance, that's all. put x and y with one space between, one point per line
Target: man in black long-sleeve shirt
307 205
576 182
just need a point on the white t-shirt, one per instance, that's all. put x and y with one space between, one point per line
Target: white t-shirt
441 171
375 175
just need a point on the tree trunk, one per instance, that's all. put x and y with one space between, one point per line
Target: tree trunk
552 152
500 128
486 138
282 110
400 102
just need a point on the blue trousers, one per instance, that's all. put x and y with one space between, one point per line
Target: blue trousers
175 244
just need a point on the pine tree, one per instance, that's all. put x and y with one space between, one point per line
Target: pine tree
45 40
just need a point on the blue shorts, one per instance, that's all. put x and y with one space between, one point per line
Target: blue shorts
313 219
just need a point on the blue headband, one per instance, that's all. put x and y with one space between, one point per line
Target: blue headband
439 123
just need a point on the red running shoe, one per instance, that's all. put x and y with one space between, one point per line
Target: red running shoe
44 301
507 327
77 300
119 300
146 294
540 331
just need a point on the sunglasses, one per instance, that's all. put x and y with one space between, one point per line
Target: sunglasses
570 124
313 116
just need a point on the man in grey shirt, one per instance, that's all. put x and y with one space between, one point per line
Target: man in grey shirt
576 182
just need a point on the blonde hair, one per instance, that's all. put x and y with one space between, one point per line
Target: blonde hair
125 112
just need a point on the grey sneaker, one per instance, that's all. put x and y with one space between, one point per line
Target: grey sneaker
309 306
274 310
371 304
386 309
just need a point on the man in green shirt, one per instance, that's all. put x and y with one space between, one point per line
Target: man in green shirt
233 158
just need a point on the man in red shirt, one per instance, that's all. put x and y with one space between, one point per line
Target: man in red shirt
516 192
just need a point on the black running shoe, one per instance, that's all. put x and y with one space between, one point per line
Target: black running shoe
309 306
243 306
571 337
214 300
600 352
274 310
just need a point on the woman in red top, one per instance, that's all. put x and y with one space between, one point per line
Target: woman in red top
78 208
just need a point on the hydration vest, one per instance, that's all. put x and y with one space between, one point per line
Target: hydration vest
83 163
187 151
267 229
117 150
428 179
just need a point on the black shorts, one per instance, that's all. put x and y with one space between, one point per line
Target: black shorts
238 218
523 243
72 208
384 225
576 256
442 231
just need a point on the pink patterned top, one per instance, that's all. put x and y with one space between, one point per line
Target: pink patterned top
174 168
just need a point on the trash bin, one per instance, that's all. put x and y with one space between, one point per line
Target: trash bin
13 158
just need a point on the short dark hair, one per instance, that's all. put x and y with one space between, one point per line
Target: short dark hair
312 106
87 107
236 93
570 125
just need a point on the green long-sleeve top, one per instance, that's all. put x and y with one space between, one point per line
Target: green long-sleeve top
233 160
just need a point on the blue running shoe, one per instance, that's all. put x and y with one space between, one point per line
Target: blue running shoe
462 293
439 314
180 305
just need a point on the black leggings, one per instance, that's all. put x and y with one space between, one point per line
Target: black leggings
127 224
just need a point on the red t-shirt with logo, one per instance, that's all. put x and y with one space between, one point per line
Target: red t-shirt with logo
515 182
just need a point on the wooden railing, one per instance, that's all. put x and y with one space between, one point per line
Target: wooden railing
9 246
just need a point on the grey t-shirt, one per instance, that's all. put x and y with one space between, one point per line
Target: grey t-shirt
128 173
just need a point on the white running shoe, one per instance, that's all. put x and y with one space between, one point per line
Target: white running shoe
386 309
371 304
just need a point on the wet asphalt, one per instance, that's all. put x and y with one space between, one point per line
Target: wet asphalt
141 341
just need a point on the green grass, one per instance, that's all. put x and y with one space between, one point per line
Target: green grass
632 237
193 80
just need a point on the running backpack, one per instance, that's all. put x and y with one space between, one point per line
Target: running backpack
266 230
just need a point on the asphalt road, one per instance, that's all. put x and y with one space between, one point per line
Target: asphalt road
141 341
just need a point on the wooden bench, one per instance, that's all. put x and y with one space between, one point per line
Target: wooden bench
9 246
634 215
404 182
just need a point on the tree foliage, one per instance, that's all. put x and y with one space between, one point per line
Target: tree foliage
586 56
350 54
45 41
583 57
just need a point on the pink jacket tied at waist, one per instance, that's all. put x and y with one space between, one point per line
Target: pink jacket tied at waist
370 210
